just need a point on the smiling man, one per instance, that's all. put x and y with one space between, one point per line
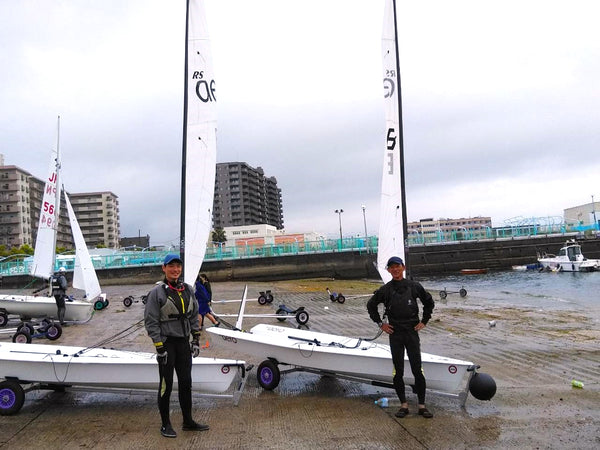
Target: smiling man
399 297
171 318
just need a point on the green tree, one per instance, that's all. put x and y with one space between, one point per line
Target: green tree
218 235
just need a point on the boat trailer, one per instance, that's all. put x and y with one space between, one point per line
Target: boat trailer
13 390
283 313
444 293
334 296
26 331
480 385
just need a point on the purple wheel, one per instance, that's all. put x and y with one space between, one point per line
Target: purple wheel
12 397
268 375
54 331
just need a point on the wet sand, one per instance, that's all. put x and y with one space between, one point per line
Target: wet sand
533 355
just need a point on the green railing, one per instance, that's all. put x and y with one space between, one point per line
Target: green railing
218 251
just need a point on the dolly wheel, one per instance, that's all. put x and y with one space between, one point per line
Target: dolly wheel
23 336
26 326
281 312
54 331
268 375
262 300
341 298
302 317
270 298
3 319
128 301
12 397
443 294
98 305
463 292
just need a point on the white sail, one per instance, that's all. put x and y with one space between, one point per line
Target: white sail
201 141
391 234
84 274
45 243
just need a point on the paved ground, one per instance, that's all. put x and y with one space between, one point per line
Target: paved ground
532 355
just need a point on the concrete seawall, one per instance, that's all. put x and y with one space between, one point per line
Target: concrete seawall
427 259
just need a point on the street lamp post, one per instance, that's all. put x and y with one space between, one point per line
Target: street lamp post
365 222
339 213
594 214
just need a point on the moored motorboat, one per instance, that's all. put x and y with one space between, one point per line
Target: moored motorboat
473 271
569 259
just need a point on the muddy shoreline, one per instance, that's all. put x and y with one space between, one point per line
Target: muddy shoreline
532 354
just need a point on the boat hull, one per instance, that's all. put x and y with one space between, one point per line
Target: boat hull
564 265
30 306
341 355
105 368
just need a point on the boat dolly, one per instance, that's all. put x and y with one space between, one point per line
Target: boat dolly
480 385
334 296
265 297
130 300
283 313
26 331
444 293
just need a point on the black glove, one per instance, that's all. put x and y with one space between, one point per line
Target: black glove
195 348
161 355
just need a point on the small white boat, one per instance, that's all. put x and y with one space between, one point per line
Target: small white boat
84 275
569 259
29 307
357 359
349 357
61 366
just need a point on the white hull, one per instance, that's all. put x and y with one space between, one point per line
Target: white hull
30 306
102 368
369 361
569 259
564 265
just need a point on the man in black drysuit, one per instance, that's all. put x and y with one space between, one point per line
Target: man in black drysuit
59 291
399 297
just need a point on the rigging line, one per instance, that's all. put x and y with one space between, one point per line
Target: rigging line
119 335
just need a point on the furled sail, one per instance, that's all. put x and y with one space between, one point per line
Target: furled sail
84 274
391 221
200 142
45 242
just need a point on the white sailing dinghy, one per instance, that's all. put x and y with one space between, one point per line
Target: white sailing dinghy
44 306
100 369
359 359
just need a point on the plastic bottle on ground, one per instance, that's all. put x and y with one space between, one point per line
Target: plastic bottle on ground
383 402
577 384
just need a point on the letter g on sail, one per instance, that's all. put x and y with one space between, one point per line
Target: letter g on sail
389 86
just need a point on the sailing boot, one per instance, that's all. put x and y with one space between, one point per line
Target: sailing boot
167 430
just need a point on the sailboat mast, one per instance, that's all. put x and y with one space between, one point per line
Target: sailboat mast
58 193
401 142
184 143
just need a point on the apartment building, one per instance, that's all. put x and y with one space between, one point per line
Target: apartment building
21 196
471 227
98 217
245 196
20 203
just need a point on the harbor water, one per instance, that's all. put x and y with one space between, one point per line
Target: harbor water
529 289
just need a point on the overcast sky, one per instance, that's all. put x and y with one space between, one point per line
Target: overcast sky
501 103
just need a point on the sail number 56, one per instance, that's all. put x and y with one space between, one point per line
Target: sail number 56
49 208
